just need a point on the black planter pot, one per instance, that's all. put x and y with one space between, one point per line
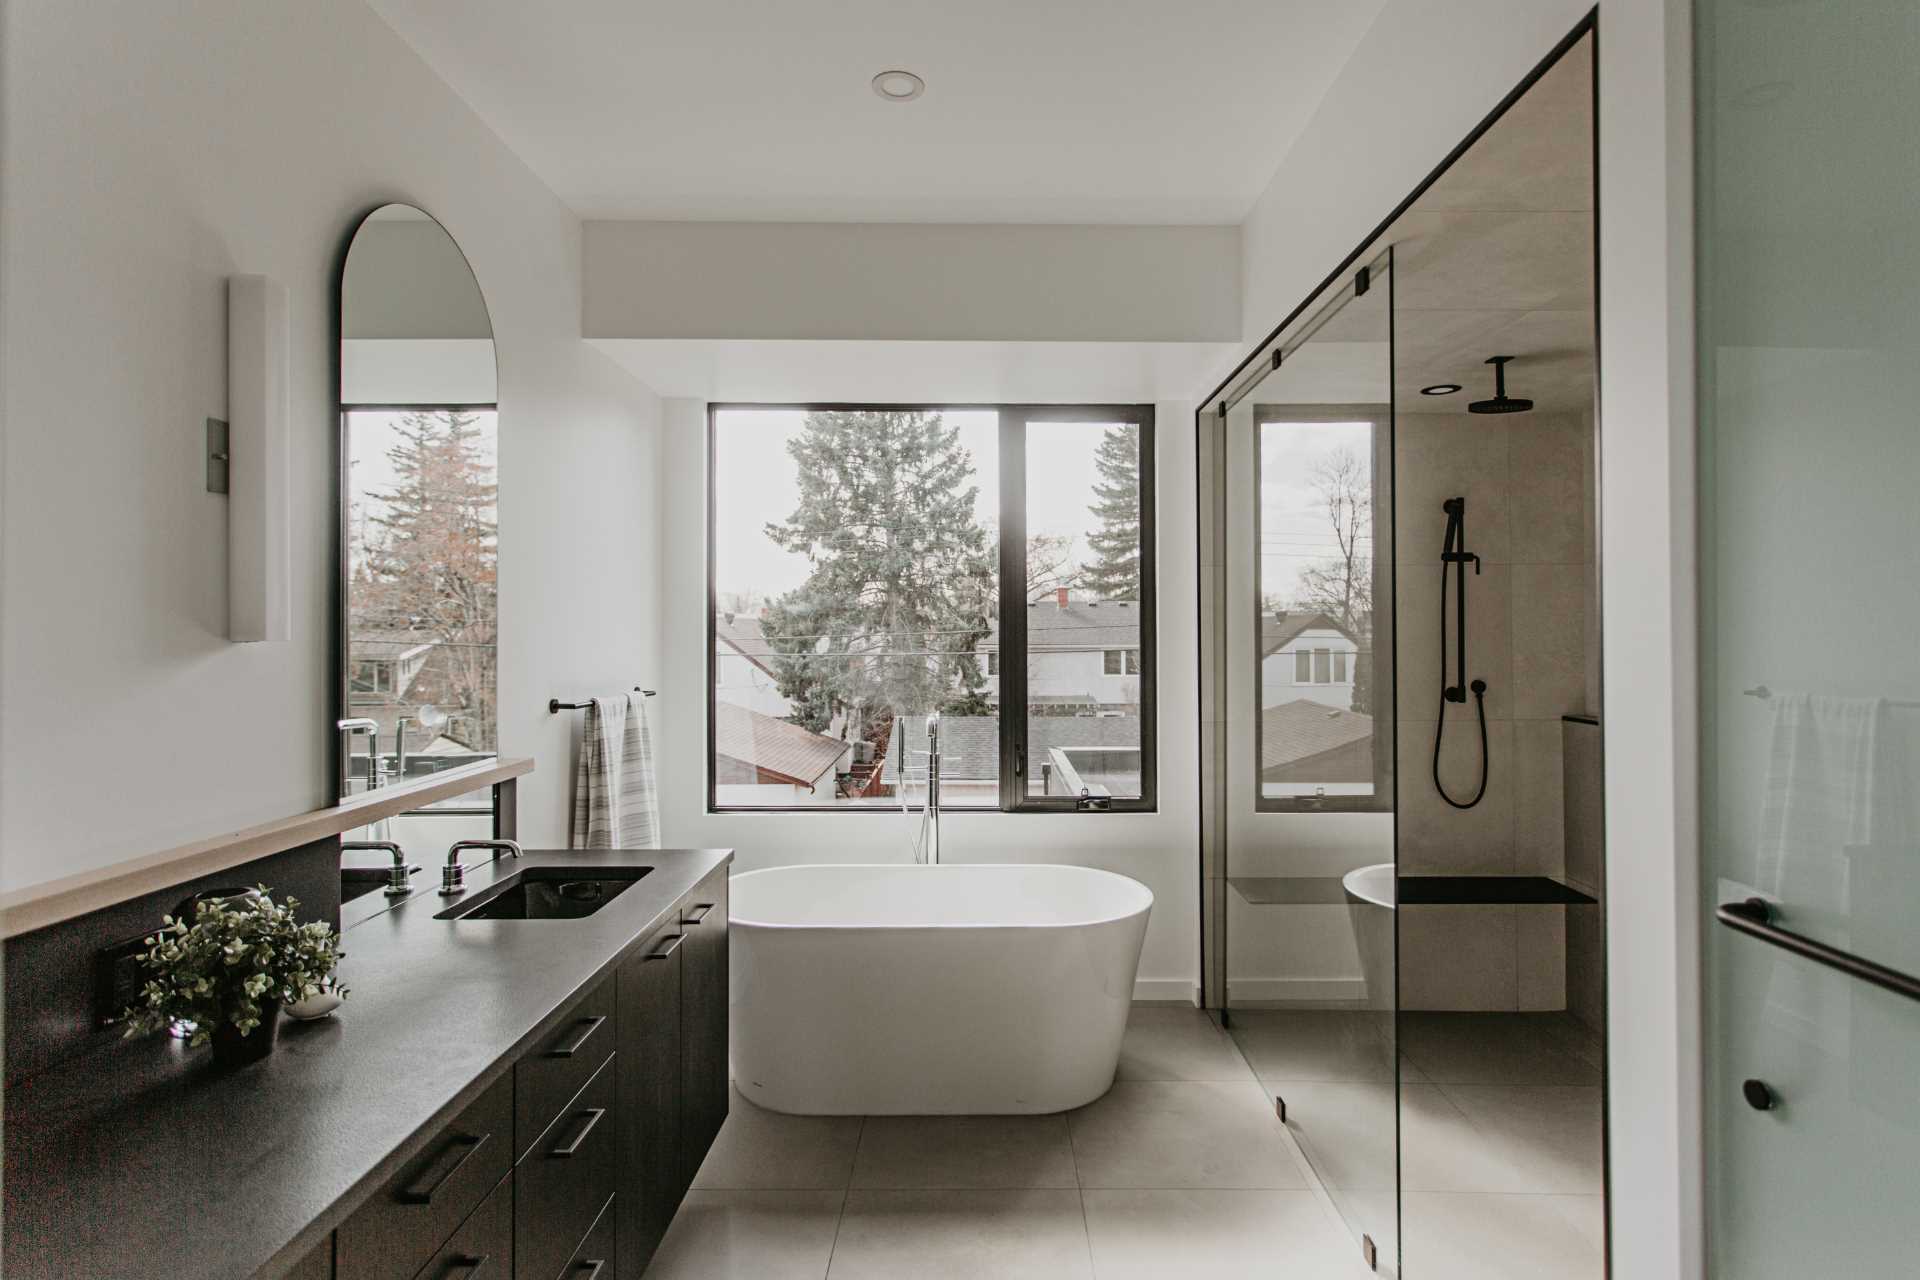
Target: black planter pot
231 1049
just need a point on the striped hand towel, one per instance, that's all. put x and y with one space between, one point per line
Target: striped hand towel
615 805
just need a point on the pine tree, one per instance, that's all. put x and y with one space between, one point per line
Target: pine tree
430 565
902 587
1115 571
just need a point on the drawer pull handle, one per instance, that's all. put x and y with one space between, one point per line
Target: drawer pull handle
590 1268
672 944
425 1195
587 1027
573 1148
695 915
469 1266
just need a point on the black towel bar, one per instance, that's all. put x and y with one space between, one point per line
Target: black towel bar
1754 917
555 706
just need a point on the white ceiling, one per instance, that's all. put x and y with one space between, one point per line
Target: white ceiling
1067 111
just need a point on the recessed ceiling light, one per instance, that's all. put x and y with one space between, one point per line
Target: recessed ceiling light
899 86
1440 389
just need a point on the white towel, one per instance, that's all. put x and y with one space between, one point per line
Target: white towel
1835 778
615 805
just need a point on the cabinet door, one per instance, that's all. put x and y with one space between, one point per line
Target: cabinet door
648 997
317 1265
482 1249
703 1019
564 1182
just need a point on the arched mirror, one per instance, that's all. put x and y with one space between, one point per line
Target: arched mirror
419 606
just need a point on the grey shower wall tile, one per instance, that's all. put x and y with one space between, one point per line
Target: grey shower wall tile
1417 598
1549 640
1441 456
1549 456
1458 958
1584 808
1540 957
1434 837
1539 822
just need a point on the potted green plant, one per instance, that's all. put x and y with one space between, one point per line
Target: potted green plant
231 971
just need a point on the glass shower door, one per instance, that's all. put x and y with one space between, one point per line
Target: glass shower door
1809 328
1308 752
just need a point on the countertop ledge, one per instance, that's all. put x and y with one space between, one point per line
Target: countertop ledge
143 1152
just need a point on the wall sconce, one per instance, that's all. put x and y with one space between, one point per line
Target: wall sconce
259 595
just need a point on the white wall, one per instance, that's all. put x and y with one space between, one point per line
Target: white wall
1158 849
911 282
150 151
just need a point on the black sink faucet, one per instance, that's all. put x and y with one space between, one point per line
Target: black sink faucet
453 878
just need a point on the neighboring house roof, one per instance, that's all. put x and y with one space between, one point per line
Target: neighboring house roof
387 646
742 633
1301 729
970 745
775 747
1079 624
1282 629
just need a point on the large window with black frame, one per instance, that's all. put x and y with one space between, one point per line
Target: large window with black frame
872 565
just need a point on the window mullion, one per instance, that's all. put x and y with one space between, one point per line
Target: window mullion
1013 612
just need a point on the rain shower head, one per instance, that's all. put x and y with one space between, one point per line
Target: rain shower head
1501 402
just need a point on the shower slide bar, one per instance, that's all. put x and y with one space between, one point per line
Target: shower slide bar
1754 917
555 706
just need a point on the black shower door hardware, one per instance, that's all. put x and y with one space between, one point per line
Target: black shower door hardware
1754 917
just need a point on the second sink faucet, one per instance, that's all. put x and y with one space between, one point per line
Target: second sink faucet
453 877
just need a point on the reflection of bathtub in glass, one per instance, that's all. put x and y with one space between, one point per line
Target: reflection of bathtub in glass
1370 899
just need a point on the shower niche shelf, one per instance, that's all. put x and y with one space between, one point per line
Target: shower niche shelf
1490 891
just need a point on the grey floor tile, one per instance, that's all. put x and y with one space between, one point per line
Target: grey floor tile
1217 1235
1175 1134
1494 1048
1551 1134
765 1149
964 1151
962 1235
749 1235
1471 1236
1313 1045
1178 1044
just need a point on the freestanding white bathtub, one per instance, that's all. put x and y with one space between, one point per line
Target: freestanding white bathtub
941 990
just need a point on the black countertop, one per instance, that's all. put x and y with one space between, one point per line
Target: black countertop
144 1161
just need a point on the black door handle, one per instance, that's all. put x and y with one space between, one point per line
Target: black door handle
694 915
469 1266
590 1268
673 944
573 1148
425 1195
587 1027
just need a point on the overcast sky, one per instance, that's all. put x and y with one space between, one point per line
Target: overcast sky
756 484
1295 532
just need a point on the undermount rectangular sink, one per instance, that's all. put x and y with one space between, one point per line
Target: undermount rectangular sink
547 893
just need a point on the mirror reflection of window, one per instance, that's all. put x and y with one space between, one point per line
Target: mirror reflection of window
420 442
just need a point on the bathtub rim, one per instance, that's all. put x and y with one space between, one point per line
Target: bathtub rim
739 922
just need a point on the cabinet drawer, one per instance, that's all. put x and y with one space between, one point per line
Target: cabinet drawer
552 1071
593 1260
482 1249
564 1181
403 1226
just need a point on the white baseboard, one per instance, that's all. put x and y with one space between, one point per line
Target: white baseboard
1183 991
1297 990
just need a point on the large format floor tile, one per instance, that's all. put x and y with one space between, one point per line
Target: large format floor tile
964 1151
749 1235
1453 1236
1182 1134
1178 1044
1550 1134
1217 1235
765 1149
1494 1048
1313 1045
962 1235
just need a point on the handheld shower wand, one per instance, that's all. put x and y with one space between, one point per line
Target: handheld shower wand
1455 556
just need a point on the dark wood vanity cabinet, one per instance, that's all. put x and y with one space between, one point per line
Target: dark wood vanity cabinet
570 1166
705 1080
